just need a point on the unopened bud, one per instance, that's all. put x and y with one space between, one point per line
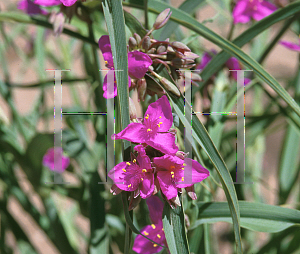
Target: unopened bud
170 86
151 51
181 154
161 49
196 77
190 55
162 19
142 86
132 109
132 43
146 43
154 88
137 38
58 21
180 46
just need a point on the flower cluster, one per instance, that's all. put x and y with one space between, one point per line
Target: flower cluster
156 164
154 231
232 64
244 10
145 56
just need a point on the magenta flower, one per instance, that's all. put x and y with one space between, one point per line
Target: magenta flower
154 231
171 172
232 64
291 46
154 131
55 2
244 10
138 63
48 159
30 8
136 175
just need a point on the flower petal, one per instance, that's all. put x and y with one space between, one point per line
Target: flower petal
68 2
160 111
164 142
30 8
264 9
134 132
144 246
138 63
166 185
290 45
156 207
105 47
47 2
107 82
147 185
241 12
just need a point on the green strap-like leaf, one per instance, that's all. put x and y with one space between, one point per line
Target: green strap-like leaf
254 216
174 228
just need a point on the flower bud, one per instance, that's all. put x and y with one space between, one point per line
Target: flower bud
132 43
170 86
137 38
132 109
161 49
180 46
58 21
162 19
190 55
181 154
142 86
146 43
196 77
151 51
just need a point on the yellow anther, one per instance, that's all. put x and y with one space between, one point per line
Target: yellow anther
158 235
145 233
134 161
172 167
128 163
160 117
184 164
124 169
147 116
129 185
172 172
149 130
153 226
173 176
182 168
144 170
182 179
162 229
160 123
142 179
105 62
155 245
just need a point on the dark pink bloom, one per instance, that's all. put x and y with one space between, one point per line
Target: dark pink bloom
244 10
55 2
154 231
171 172
291 46
136 175
138 63
232 64
30 8
48 159
154 131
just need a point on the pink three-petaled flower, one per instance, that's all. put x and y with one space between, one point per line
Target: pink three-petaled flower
154 231
154 131
138 63
244 10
